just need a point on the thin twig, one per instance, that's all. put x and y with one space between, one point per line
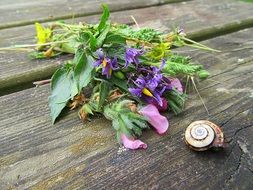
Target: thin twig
193 82
30 45
186 85
15 49
136 23
42 82
199 45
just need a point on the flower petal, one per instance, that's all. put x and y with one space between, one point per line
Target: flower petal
159 122
97 63
162 108
132 143
152 84
132 56
135 91
158 98
162 64
114 63
177 84
100 53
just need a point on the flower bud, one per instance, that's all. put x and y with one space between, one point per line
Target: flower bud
119 75
203 74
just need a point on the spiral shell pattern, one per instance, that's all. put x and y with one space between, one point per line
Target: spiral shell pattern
202 135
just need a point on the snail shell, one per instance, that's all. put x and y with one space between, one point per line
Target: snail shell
202 135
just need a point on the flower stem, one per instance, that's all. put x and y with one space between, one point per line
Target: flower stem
198 45
42 82
31 45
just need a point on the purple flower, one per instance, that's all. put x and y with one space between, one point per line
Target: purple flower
148 89
150 84
108 65
132 56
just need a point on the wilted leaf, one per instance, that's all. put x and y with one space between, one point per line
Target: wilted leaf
77 101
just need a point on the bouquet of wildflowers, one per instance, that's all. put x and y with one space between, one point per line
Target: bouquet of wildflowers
129 75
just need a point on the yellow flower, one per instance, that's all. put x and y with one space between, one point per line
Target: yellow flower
43 34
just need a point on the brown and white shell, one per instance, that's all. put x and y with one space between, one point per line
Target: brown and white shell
202 135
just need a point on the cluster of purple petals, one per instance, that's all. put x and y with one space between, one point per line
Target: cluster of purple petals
152 81
132 56
108 65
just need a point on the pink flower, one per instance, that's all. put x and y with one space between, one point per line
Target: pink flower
176 84
131 143
159 122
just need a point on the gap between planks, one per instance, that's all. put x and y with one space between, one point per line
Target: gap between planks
129 6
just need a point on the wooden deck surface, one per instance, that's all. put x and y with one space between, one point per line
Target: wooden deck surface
72 155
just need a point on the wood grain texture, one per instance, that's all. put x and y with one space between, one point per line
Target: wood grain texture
199 18
24 12
36 155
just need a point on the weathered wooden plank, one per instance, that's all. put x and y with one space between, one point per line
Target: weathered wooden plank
207 17
70 155
24 12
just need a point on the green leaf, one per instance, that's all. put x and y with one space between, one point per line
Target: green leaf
145 34
141 123
83 70
104 18
67 48
60 92
115 39
128 123
93 42
117 50
84 37
73 85
104 89
137 131
174 68
102 36
177 101
115 124
79 56
123 127
122 84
